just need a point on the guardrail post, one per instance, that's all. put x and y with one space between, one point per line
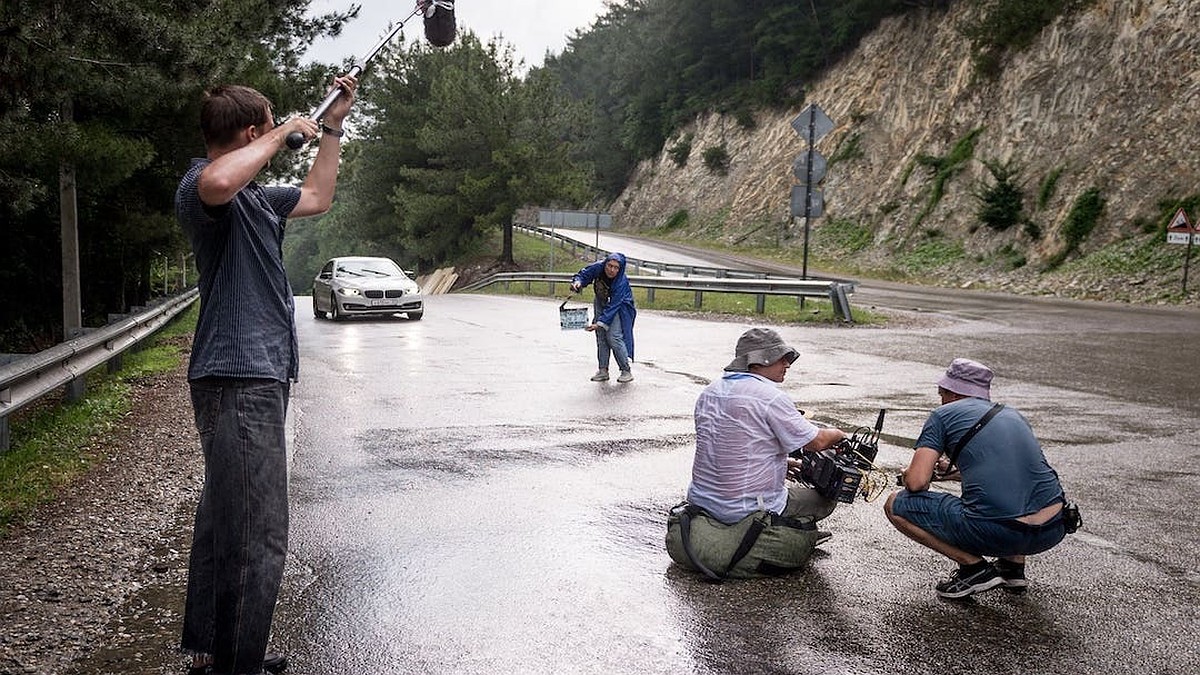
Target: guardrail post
760 303
841 304
699 299
6 398
649 295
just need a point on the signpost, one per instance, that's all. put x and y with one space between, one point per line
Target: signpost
1180 231
809 169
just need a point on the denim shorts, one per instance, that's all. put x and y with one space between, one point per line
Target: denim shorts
941 514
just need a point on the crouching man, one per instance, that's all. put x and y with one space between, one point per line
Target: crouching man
1012 501
740 518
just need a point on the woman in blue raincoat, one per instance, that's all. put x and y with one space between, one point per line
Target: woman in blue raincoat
614 313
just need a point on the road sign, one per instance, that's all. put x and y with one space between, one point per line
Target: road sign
815 198
800 167
812 123
1179 221
1178 237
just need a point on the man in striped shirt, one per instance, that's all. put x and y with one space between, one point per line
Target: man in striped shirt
244 357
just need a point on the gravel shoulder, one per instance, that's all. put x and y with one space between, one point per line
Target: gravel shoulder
93 581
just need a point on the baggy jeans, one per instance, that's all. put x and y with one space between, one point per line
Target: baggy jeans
611 341
239 544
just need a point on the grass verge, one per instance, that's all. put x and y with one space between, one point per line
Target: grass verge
54 444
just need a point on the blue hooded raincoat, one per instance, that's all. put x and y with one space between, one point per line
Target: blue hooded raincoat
620 300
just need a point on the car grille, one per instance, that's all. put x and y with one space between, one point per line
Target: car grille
390 293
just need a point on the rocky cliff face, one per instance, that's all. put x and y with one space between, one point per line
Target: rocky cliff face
1106 99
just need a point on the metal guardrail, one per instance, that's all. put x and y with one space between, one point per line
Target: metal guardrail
30 377
639 265
836 292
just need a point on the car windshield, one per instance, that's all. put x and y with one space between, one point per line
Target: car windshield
368 268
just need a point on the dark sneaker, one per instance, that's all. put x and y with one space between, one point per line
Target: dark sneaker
275 663
960 585
272 663
1013 576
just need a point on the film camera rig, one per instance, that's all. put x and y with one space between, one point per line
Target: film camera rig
845 470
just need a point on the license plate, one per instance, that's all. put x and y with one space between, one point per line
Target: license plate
381 302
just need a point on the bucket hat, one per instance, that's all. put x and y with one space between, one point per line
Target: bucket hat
759 346
968 378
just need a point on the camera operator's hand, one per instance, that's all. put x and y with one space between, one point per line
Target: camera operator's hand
942 470
574 286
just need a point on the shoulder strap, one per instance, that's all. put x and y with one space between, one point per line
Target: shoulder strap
685 536
966 438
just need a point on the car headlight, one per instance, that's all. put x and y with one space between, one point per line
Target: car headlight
353 292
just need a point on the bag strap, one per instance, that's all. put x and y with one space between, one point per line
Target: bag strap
966 438
685 536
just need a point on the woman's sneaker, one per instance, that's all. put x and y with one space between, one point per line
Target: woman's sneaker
600 376
969 581
1013 575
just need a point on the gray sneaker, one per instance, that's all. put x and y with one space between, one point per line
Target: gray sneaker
626 376
600 376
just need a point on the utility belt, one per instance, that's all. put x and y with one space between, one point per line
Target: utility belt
763 544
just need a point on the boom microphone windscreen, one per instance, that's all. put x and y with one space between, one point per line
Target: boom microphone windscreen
439 22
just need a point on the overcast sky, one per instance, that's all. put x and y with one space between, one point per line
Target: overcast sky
531 26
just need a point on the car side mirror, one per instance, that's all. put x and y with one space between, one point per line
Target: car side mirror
325 275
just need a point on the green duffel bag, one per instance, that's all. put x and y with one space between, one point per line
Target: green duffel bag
762 544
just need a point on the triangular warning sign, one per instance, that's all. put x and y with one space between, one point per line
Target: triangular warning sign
1180 221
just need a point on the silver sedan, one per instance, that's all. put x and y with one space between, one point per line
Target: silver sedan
355 286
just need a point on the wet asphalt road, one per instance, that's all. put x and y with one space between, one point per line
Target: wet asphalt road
464 500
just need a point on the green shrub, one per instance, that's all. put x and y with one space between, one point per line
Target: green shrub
745 119
944 168
1082 219
716 159
1001 203
1048 187
1080 222
677 220
681 150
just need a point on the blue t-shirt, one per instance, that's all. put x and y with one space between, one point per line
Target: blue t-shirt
1004 471
247 326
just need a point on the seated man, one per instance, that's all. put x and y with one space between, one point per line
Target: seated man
1011 504
745 428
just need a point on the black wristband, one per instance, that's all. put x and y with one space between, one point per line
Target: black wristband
331 131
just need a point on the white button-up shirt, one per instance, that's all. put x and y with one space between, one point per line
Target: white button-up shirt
745 428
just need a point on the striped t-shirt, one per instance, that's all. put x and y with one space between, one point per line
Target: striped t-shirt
247 325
